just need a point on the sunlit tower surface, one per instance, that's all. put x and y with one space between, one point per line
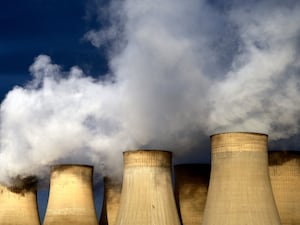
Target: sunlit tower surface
18 204
284 167
240 190
147 196
191 186
71 196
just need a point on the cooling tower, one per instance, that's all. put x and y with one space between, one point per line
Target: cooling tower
147 196
284 170
103 216
111 202
18 204
191 185
71 196
240 191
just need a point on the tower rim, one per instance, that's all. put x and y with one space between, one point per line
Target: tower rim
239 132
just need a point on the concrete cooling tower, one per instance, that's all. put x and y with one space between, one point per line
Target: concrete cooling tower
18 204
240 191
71 196
191 186
111 202
284 170
147 196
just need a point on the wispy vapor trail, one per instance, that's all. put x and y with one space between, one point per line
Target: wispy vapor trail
179 71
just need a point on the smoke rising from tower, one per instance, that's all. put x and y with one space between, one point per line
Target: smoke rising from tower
178 71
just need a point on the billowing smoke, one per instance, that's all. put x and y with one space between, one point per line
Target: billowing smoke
179 71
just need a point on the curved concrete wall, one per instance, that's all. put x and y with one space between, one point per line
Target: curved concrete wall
18 205
240 190
284 167
71 196
111 201
191 186
147 196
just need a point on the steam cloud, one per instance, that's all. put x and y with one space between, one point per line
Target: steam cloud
179 71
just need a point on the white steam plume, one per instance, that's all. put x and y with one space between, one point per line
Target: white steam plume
59 117
261 91
179 71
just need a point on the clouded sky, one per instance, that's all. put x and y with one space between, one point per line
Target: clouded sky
134 74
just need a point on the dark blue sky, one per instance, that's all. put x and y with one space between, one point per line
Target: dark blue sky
52 27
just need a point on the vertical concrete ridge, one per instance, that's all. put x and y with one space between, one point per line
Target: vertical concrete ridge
191 186
147 195
284 167
240 189
71 196
18 206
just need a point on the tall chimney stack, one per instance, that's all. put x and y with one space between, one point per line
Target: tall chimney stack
71 196
18 204
191 186
284 167
111 201
147 196
240 190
